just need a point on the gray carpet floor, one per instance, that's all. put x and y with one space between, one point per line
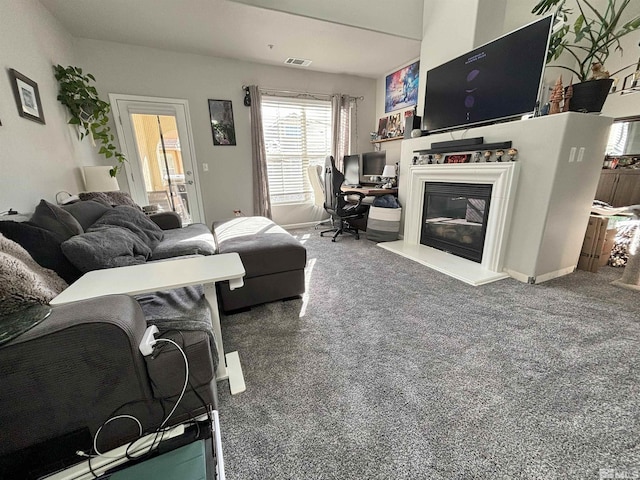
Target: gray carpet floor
389 370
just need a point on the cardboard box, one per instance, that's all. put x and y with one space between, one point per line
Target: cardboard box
609 240
593 244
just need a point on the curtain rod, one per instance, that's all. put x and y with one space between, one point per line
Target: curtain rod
274 91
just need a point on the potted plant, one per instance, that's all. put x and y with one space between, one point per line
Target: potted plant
594 35
88 111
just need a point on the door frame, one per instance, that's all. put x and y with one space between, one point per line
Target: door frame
156 103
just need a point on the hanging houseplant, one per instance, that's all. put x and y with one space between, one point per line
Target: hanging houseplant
88 111
595 34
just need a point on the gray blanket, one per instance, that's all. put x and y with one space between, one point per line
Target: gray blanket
180 309
132 219
105 247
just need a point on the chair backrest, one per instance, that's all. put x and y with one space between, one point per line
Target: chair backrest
314 172
333 180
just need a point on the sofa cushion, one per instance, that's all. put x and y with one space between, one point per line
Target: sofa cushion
194 239
86 213
134 220
263 246
56 220
23 282
43 246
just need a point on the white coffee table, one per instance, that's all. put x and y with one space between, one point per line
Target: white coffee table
155 276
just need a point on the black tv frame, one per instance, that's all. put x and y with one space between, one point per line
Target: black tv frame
443 97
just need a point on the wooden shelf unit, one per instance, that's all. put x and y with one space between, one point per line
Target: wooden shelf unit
619 187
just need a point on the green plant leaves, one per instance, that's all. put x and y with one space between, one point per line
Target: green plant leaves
88 112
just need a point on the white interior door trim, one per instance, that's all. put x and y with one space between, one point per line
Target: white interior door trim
155 107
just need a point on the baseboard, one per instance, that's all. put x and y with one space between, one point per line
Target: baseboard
540 278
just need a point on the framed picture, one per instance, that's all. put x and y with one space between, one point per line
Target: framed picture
27 97
382 127
402 88
222 127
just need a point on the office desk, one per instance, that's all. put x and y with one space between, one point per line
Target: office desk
371 192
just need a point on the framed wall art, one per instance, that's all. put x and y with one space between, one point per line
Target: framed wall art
222 127
402 88
27 96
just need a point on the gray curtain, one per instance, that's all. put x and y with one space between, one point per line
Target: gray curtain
261 199
340 127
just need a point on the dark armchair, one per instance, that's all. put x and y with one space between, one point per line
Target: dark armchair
337 203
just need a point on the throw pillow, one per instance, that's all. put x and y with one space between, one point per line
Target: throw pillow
56 220
22 281
99 197
134 220
43 246
86 212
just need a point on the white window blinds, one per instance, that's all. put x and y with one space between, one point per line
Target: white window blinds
297 133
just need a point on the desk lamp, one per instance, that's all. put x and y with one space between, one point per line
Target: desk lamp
388 174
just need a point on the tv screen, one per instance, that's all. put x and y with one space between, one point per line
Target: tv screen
496 81
351 169
372 165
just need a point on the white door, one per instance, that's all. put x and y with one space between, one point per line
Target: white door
155 135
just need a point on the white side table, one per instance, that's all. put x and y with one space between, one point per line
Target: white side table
181 272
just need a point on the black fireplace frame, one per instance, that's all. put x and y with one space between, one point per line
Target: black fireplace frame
444 189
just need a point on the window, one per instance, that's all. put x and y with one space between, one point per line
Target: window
297 133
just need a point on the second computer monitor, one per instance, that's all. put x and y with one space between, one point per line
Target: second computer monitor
351 170
372 166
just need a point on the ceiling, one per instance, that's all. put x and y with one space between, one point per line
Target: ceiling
224 28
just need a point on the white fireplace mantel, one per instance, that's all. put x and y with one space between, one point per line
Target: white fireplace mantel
559 162
502 177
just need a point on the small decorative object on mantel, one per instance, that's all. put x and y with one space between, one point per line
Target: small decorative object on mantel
556 97
568 93
438 157
487 155
499 154
513 153
476 157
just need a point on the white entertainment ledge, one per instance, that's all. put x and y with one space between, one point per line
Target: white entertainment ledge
559 162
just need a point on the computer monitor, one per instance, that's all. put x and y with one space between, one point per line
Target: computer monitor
351 169
372 166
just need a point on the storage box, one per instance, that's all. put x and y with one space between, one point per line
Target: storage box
592 247
609 240
383 224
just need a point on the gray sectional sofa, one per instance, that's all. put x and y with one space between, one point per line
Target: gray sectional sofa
82 365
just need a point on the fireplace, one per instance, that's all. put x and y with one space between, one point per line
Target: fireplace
454 218
491 184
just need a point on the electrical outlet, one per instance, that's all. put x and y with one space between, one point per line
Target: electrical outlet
581 154
572 154
205 167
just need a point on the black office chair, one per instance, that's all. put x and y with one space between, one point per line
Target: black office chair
336 202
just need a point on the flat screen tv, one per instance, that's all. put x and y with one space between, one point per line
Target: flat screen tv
497 81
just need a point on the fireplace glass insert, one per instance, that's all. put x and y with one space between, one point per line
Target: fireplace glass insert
454 218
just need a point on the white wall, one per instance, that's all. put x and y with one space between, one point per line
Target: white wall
227 186
36 160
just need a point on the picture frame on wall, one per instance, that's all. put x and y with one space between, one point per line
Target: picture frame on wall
401 88
222 126
27 96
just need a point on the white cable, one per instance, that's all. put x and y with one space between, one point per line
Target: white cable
95 437
161 427
186 379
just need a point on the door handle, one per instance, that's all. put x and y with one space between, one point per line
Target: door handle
189 172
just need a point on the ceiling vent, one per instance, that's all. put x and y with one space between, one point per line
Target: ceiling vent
299 62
